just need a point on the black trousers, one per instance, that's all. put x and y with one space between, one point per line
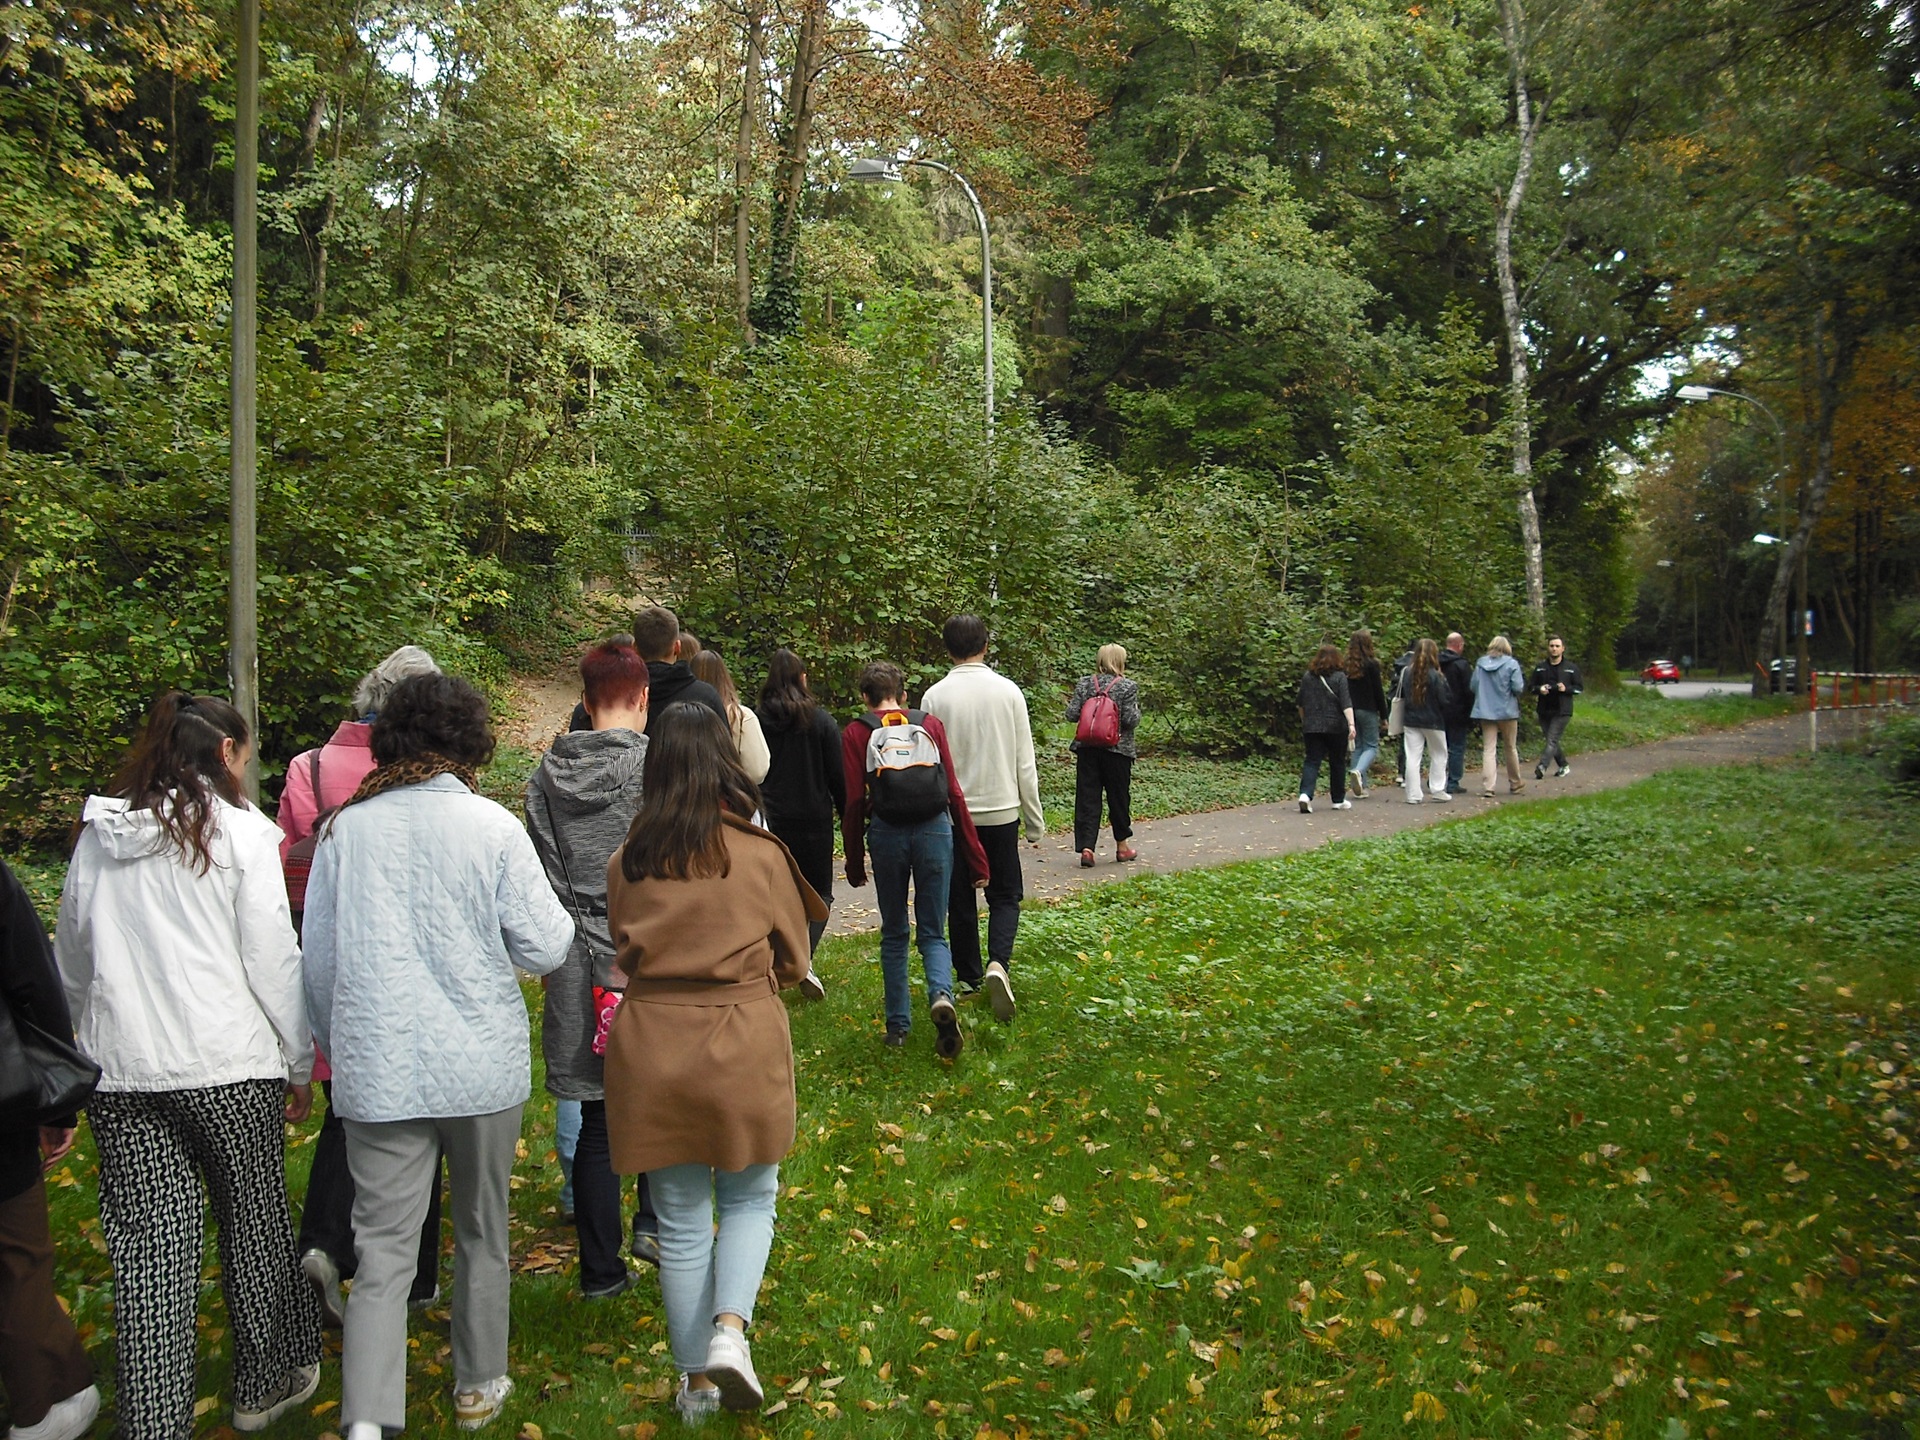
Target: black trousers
1098 771
596 1203
1005 890
1330 746
326 1215
812 848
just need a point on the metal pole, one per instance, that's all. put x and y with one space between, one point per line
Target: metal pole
986 274
243 645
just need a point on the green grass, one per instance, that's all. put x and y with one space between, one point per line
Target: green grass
1585 1118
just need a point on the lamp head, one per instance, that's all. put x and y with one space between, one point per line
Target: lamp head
1694 392
871 171
1765 539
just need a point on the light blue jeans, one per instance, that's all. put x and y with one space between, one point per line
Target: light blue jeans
566 1140
922 855
704 1274
1366 746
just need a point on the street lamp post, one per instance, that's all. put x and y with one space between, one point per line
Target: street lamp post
885 172
1704 392
243 642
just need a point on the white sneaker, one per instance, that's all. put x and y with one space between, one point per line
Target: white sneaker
813 987
1413 799
1306 804
695 1405
730 1367
1441 796
474 1408
1343 805
67 1420
324 1276
365 1430
999 992
297 1389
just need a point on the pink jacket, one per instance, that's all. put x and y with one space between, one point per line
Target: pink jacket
345 761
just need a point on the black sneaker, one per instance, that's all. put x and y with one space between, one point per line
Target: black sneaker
619 1287
646 1247
895 1038
1540 772
947 1039
1563 772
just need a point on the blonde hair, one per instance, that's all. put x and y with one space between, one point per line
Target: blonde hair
1113 659
1499 645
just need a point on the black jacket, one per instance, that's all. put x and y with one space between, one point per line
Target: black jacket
30 987
1324 703
1433 714
1459 672
1368 692
666 685
1555 701
806 785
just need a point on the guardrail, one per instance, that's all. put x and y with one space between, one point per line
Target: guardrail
1855 690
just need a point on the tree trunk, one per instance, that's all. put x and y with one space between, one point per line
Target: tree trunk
327 212
782 308
743 178
1530 119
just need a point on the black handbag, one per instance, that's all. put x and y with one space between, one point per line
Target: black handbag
42 1078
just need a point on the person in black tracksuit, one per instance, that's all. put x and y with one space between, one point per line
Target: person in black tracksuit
805 789
44 1370
1556 680
1458 669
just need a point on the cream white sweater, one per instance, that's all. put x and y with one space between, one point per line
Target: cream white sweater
992 742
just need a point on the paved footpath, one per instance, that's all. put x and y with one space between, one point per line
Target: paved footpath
1258 832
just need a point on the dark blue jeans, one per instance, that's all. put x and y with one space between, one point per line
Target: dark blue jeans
922 855
1456 754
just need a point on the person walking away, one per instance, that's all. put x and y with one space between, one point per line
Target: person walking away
1497 688
1459 672
985 715
1556 680
182 973
805 789
44 1371
904 806
657 636
709 918
748 736
424 898
1326 719
1423 696
1369 696
1402 663
319 782
581 801
1102 766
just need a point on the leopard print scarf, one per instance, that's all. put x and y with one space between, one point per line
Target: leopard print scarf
408 772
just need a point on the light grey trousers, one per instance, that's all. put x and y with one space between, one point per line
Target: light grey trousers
395 1163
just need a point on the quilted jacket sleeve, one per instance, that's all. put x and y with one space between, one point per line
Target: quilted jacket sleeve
317 940
269 951
537 927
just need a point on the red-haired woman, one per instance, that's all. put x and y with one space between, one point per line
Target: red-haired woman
181 968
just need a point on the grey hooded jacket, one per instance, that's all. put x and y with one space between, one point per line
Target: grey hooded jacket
580 803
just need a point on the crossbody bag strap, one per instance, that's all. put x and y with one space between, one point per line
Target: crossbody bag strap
566 870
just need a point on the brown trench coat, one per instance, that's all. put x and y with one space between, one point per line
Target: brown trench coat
699 1060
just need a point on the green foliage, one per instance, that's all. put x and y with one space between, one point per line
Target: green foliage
1897 740
1532 1115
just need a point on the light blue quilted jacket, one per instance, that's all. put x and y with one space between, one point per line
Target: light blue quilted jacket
421 903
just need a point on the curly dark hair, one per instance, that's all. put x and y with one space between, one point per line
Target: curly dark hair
434 715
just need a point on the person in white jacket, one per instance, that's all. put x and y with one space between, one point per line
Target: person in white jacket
985 715
749 740
424 898
183 976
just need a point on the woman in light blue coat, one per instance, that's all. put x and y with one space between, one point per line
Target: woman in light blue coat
1497 687
424 898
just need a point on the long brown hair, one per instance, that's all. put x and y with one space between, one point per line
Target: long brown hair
1359 652
708 666
1426 662
785 701
1325 661
175 769
692 773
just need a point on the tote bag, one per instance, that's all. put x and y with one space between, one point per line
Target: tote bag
42 1078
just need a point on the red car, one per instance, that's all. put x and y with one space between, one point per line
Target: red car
1660 672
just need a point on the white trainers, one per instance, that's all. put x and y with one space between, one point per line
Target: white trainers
296 1389
1441 795
999 991
474 1408
324 1276
694 1405
1343 804
730 1367
1306 804
67 1420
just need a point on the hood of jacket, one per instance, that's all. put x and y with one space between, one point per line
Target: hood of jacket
1491 663
130 834
587 771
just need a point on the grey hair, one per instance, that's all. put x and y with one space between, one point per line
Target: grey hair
374 687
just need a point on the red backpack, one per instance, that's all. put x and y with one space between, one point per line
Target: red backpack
1099 718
